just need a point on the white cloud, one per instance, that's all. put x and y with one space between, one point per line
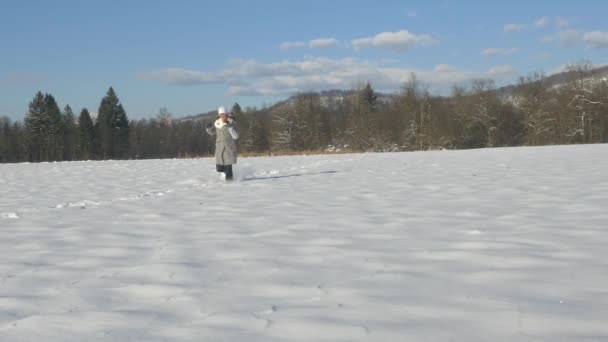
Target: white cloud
542 22
502 70
499 52
548 39
542 56
570 37
596 39
313 44
387 61
566 38
445 68
513 27
559 69
249 77
562 22
398 41
322 43
292 45
565 67
362 43
183 76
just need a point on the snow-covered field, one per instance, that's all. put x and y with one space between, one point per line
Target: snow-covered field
480 245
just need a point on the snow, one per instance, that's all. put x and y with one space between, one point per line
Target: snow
479 245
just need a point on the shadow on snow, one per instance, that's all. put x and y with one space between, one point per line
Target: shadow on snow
288 176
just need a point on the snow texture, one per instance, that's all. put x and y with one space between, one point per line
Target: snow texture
479 245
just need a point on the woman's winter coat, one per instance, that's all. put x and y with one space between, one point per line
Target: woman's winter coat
225 141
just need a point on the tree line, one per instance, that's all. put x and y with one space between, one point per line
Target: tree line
535 112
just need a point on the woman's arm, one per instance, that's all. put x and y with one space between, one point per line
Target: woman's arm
233 129
210 128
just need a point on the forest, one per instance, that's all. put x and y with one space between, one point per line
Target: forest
569 108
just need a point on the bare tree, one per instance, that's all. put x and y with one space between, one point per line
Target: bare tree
602 126
485 109
289 131
163 123
164 117
584 103
307 106
533 99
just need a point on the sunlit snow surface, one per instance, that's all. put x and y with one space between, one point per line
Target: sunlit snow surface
479 245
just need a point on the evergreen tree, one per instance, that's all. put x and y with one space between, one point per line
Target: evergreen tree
55 128
12 138
406 122
112 127
5 133
363 124
241 119
86 130
236 109
70 134
18 142
36 121
369 97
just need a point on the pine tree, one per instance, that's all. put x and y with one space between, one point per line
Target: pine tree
369 97
236 109
5 133
363 124
70 134
120 134
408 106
104 118
86 130
112 127
55 128
11 141
18 143
36 129
245 133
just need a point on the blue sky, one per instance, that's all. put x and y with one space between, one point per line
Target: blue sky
192 56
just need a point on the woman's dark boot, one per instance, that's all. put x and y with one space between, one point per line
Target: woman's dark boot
228 172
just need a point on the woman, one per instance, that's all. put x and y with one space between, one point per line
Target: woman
226 131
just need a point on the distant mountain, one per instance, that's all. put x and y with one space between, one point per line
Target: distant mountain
328 96
559 79
202 116
566 76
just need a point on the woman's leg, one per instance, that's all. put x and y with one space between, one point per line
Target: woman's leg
228 171
219 168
